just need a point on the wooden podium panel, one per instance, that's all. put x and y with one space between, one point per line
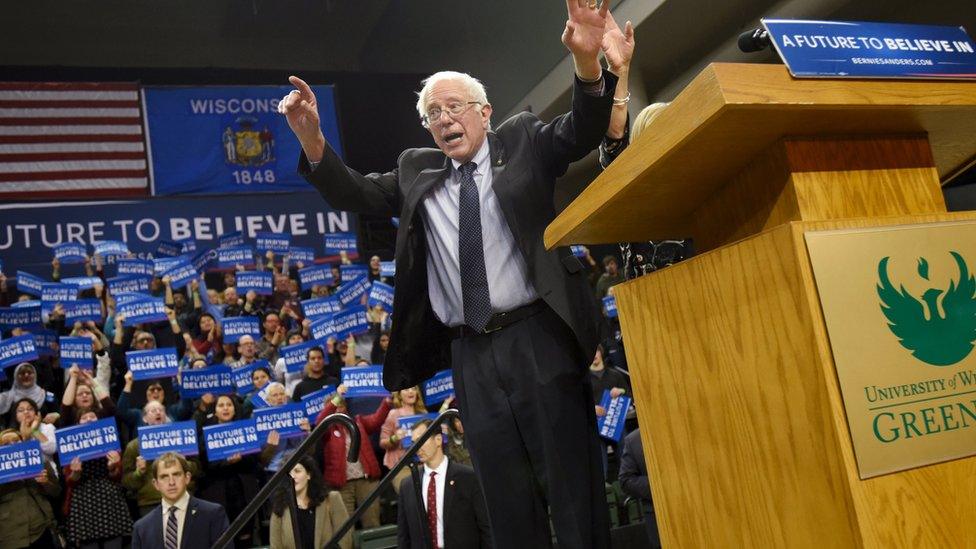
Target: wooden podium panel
742 418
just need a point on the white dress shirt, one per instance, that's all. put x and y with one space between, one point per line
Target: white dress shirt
440 480
508 280
181 505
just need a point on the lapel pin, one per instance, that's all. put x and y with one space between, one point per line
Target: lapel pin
451 483
193 512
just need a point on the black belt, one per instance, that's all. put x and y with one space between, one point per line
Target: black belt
500 320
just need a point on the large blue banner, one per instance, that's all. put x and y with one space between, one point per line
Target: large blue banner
156 440
234 437
88 441
20 461
228 139
847 49
286 419
29 232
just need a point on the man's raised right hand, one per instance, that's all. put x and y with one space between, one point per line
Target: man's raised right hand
302 112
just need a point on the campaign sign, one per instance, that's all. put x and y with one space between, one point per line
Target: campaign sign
296 356
285 419
181 274
313 403
301 254
29 284
134 266
847 49
179 437
407 422
228 139
234 437
196 382
83 282
88 441
17 349
20 461
348 273
70 252
323 328
229 258
340 242
439 387
351 322
187 245
111 248
168 248
45 341
21 317
236 326
320 306
202 259
578 251
363 381
242 375
128 283
315 275
260 282
82 310
382 295
139 312
122 298
272 242
77 351
610 306
230 240
260 398
388 269
152 363
163 264
611 425
352 291
53 293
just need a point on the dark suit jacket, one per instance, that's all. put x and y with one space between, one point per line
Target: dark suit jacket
527 156
633 468
466 518
204 523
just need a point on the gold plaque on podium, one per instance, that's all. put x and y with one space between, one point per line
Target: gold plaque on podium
900 308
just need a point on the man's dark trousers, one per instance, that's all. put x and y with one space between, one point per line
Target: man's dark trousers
527 408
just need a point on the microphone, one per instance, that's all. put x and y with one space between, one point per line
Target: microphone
754 40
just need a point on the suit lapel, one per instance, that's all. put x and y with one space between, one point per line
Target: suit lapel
499 180
191 514
449 489
424 181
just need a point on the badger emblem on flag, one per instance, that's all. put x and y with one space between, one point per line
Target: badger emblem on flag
245 145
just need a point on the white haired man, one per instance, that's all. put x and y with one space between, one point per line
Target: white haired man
477 291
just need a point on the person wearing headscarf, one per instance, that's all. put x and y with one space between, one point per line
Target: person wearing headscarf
24 386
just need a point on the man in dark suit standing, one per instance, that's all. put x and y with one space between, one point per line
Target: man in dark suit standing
476 290
181 521
453 510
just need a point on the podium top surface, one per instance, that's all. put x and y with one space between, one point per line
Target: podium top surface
730 113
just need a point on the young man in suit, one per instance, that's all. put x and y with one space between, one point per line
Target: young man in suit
477 291
453 507
181 521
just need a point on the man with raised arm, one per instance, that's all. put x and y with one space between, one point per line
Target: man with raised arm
476 290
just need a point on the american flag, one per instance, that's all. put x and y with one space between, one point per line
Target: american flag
71 140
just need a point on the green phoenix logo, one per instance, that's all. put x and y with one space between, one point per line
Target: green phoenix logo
940 337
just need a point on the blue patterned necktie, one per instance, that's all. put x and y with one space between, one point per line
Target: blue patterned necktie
471 253
171 530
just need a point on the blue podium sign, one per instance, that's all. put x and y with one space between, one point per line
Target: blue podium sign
842 49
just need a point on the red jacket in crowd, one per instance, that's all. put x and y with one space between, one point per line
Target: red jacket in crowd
335 444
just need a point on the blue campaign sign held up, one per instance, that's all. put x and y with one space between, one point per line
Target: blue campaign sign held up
611 425
29 284
88 441
348 273
77 350
142 311
320 306
107 248
301 254
845 49
168 248
439 387
315 275
273 242
230 257
82 310
236 326
153 363
45 341
17 349
70 252
230 240
211 140
83 282
364 381
387 268
323 327
313 403
296 356
285 419
407 422
179 437
181 274
341 242
382 295
260 282
134 266
216 380
352 291
610 306
21 317
223 440
128 283
350 322
242 376
20 461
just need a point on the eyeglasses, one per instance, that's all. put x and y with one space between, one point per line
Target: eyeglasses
453 110
156 388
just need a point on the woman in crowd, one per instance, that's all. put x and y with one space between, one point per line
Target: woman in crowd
260 378
94 507
406 402
378 354
286 378
320 513
25 512
276 396
26 419
133 417
208 340
84 392
24 386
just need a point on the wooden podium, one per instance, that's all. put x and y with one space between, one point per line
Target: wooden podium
743 424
